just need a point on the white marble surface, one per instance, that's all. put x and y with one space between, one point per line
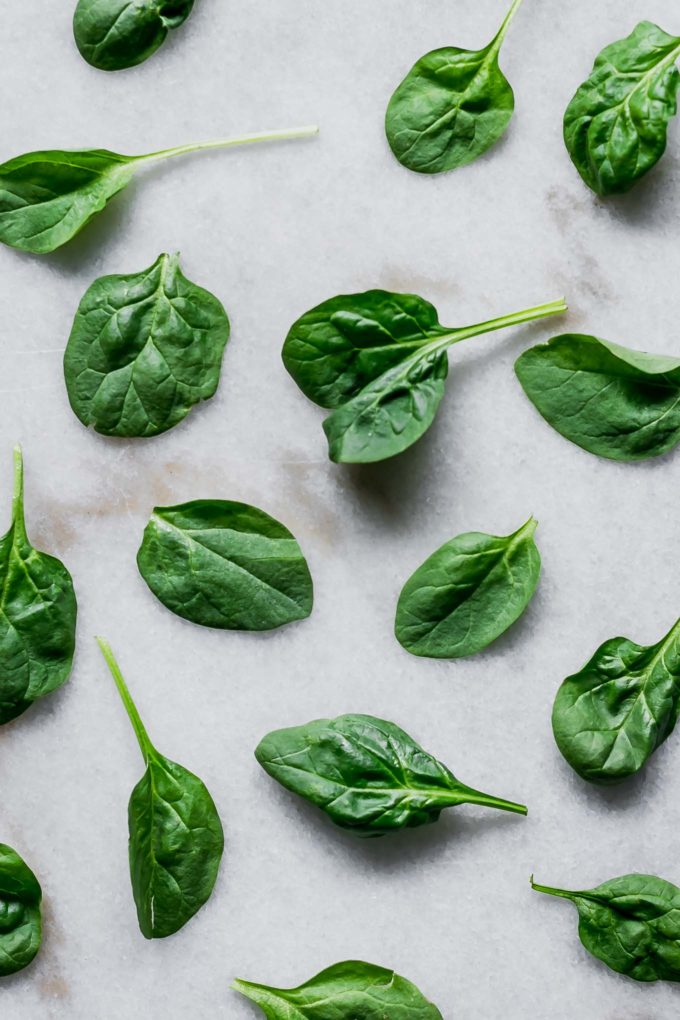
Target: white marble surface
272 232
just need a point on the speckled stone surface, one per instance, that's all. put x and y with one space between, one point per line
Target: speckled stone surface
272 231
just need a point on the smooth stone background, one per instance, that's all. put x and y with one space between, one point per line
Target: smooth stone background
273 231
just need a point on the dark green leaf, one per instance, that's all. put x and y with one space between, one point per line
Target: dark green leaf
226 565
37 615
614 402
143 350
46 198
366 774
113 34
467 593
615 127
379 361
20 921
346 991
610 718
451 107
631 923
339 347
176 837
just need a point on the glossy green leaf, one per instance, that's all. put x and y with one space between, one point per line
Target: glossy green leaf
346 991
144 349
615 127
378 361
20 920
37 615
611 401
610 718
176 837
224 564
367 774
631 923
451 107
113 34
467 593
46 198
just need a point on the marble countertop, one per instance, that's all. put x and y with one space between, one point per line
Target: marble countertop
273 231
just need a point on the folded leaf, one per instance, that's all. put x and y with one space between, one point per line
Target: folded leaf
611 401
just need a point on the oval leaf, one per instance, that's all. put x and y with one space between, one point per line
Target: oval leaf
37 615
346 991
615 127
143 350
610 718
176 837
226 565
614 402
368 775
113 34
451 107
468 593
631 923
20 920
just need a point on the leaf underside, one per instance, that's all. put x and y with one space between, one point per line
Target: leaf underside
226 565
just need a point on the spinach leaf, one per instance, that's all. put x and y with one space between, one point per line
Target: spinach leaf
367 774
37 615
143 350
451 107
467 593
615 126
46 198
631 923
224 564
346 991
113 34
378 361
20 920
611 401
610 718
176 837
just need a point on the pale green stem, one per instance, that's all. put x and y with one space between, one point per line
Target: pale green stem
498 41
471 796
18 495
264 136
549 891
145 744
514 319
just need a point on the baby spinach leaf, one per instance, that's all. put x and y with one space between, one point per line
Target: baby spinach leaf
224 564
610 718
37 615
611 401
367 774
631 923
346 991
113 34
20 920
176 837
615 127
143 350
467 593
378 361
46 198
451 107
